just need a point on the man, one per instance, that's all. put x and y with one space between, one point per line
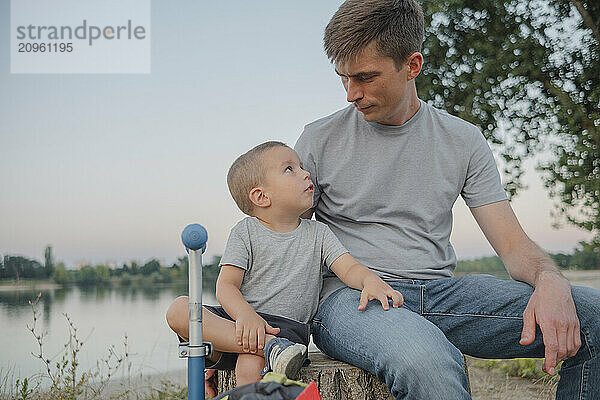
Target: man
387 170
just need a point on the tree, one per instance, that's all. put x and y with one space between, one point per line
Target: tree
562 260
61 275
135 269
527 73
48 261
86 276
587 256
150 267
17 267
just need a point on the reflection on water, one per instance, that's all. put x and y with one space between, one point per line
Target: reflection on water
103 316
16 302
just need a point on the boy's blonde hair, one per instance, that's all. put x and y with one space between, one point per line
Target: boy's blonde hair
248 172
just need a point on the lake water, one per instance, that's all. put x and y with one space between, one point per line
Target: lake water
103 316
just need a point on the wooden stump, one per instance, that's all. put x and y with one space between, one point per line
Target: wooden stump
336 380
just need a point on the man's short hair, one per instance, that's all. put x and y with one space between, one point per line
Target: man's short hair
248 172
396 26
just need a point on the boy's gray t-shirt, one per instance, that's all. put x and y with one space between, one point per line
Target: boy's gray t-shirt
387 191
283 271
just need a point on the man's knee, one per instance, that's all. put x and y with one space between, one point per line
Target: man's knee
587 302
177 316
424 371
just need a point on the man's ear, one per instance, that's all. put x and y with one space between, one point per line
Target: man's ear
415 63
259 198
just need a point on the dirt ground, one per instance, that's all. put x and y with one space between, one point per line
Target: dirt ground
495 385
485 385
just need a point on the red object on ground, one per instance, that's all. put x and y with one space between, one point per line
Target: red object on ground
310 393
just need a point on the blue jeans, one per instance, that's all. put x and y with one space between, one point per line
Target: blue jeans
416 349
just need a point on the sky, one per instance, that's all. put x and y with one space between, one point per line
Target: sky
112 167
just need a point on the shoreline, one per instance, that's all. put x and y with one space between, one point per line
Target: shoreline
34 285
49 285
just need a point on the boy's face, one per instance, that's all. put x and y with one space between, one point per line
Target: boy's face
288 186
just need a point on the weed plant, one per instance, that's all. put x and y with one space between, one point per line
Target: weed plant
528 368
63 379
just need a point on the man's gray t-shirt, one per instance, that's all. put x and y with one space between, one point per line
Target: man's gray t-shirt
387 191
283 271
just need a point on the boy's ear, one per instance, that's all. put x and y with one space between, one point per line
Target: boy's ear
259 198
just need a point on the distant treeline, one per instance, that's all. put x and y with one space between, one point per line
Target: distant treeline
585 256
14 268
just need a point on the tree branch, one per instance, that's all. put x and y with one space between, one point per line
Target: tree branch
568 103
587 19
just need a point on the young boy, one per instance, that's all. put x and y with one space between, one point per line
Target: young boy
271 269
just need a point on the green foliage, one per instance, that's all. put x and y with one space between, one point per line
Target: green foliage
61 275
487 265
125 279
48 261
23 389
210 272
17 267
150 267
88 275
587 256
169 391
524 71
528 368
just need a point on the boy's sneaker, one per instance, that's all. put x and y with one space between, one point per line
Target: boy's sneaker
283 356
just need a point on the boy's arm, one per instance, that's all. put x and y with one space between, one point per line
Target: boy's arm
357 276
250 328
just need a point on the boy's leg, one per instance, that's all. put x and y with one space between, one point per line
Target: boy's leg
178 317
483 317
215 329
247 368
404 350
178 320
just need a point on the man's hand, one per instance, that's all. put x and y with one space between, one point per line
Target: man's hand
376 288
250 331
551 306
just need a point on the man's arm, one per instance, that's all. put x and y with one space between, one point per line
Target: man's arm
357 276
551 305
250 328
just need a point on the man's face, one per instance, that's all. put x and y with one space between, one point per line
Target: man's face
288 185
375 86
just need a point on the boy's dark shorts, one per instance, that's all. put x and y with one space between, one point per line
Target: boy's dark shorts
294 331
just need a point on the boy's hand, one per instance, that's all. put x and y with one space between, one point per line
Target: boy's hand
376 288
250 331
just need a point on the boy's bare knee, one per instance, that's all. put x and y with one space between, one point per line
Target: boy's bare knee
177 316
247 369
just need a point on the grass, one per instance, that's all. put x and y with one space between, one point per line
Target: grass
528 368
515 379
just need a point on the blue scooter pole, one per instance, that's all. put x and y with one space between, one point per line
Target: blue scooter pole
194 238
